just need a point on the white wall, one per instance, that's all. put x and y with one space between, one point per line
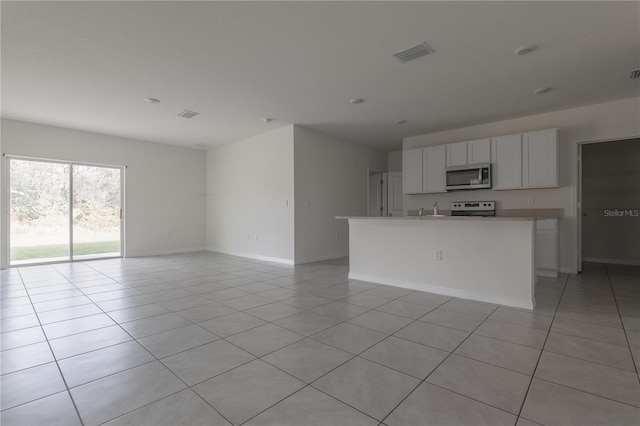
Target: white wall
394 161
331 178
599 122
165 184
250 197
611 186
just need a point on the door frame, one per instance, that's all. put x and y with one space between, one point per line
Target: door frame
371 171
7 248
579 188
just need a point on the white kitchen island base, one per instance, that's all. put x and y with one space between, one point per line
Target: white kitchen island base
484 259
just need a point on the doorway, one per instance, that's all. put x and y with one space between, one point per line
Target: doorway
610 202
60 211
385 193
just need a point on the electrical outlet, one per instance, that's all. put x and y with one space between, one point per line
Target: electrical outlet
437 255
285 203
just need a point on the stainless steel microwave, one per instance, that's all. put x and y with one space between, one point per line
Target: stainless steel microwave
477 176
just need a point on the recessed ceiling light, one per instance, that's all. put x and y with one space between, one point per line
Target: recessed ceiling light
356 101
152 100
401 122
267 120
542 90
525 49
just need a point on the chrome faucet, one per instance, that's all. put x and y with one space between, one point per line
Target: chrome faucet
421 212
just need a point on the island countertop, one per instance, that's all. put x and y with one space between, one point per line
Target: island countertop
501 214
490 218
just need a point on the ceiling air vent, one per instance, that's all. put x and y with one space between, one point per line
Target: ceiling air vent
188 114
633 74
414 52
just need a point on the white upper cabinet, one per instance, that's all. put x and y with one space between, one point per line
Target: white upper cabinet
525 160
433 159
506 159
456 154
468 153
479 151
540 159
412 171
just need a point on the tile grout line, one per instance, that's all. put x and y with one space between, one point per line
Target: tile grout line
442 362
310 384
624 329
73 402
156 359
588 392
533 374
152 270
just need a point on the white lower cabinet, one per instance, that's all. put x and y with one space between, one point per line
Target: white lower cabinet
547 247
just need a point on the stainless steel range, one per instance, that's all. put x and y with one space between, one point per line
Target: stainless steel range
473 208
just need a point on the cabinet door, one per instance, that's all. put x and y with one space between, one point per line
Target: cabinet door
434 169
547 247
479 151
456 154
506 168
412 171
540 159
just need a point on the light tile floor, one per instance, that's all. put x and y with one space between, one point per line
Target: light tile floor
214 339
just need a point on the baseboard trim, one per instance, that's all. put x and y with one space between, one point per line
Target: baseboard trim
516 303
630 262
320 258
147 253
551 273
254 256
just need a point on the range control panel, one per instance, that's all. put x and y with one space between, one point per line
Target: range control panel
473 205
473 208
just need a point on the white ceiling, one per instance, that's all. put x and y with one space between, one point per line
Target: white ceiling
89 65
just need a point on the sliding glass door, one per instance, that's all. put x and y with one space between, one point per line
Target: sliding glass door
63 211
96 211
39 211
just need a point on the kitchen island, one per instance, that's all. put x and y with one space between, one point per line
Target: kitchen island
486 259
